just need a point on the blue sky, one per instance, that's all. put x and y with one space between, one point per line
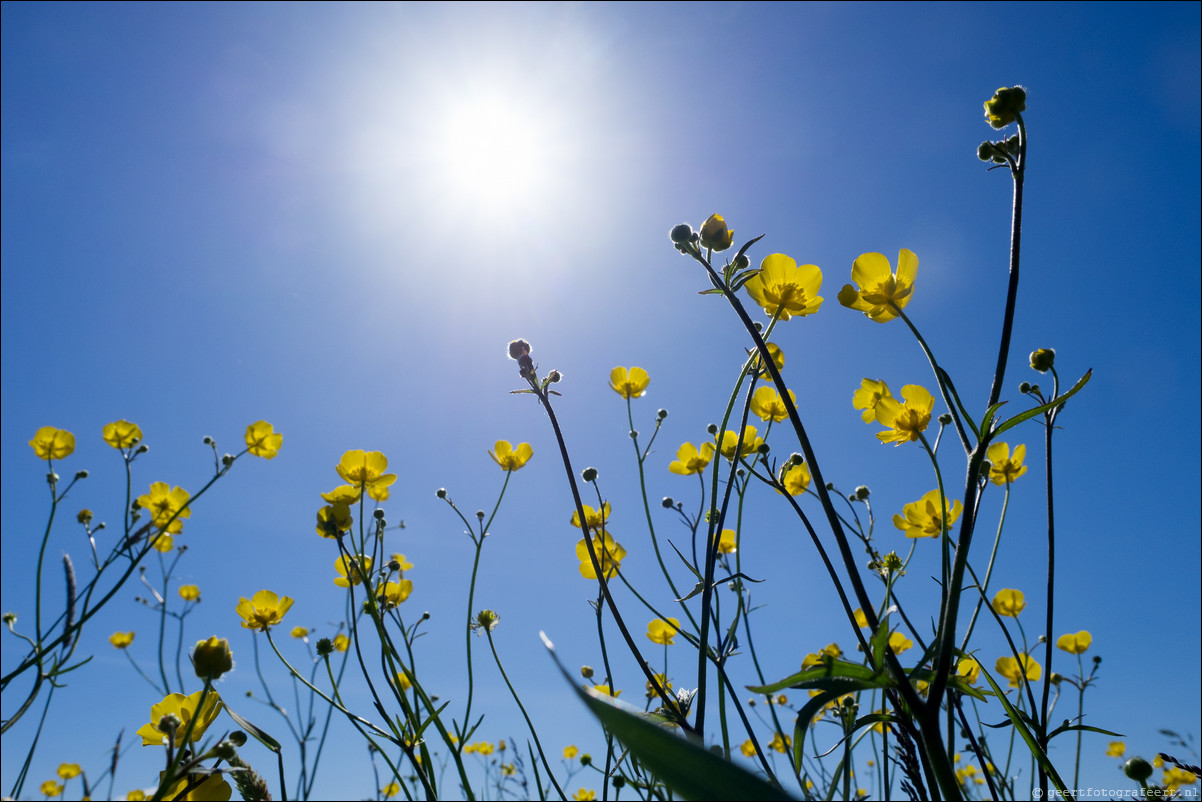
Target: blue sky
215 214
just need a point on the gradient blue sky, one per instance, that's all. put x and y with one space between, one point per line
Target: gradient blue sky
218 213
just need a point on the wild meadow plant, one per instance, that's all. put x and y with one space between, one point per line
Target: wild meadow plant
915 708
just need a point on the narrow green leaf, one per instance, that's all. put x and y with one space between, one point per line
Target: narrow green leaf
1055 402
989 415
256 733
684 560
1084 728
1022 729
834 668
748 244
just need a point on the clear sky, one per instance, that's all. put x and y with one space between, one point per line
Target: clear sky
220 213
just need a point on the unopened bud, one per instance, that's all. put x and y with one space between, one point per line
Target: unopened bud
586 672
1042 359
682 234
663 413
378 514
1138 769
589 474
441 492
668 503
862 492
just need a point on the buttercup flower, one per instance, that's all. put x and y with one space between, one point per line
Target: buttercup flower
778 358
1042 359
69 771
121 640
1116 749
899 642
593 519
629 383
968 670
212 788
1004 469
1174 778
766 404
783 287
392 789
189 592
569 752
1006 103
690 460
394 593
262 441
333 519
164 503
351 569
299 632
402 564
905 421
604 688
609 554
341 642
781 743
663 630
51 443
882 293
730 441
748 748
584 795
868 396
163 543
51 788
211 658
510 458
1075 644
861 619
365 469
715 234
726 542
796 479
1018 670
121 434
923 518
263 610
1009 602
184 709
343 494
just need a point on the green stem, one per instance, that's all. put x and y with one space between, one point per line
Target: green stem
1017 172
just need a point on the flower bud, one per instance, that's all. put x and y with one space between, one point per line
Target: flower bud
81 474
441 492
586 759
1042 359
715 235
84 516
945 418
586 672
681 234
517 348
986 151
237 738
142 449
378 514
1024 387
634 434
862 492
589 474
712 429
208 441
1006 103
554 376
1138 769
663 413
325 647
742 262
668 503
619 781
480 514
211 658
227 460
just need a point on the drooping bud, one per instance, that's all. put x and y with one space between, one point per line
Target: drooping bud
1042 359
715 235
211 658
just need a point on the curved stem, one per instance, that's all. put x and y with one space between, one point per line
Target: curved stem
1017 171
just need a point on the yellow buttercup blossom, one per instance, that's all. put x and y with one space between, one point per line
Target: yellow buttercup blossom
569 752
715 235
262 440
1018 670
690 460
393 594
351 569
778 358
121 434
211 658
334 519
870 394
1009 602
402 564
968 670
1003 468
629 382
593 519
69 771
905 421
1174 778
165 503
861 619
343 494
51 788
163 543
341 642
782 287
136 795
263 610
882 293
510 458
584 795
364 469
796 479
392 789
299 632
189 592
184 708
662 681
923 518
748 748
402 680
899 642
1075 644
51 443
663 630
726 542
766 404
212 788
1116 749
121 640
604 689
781 743
609 554
730 441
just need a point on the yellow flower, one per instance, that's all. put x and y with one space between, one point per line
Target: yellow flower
766 404
730 441
882 292
870 394
629 383
662 681
1002 468
593 519
163 543
509 458
781 743
392 789
211 789
726 542
604 688
365 469
748 748
121 434
402 564
484 748
1075 644
164 503
1006 103
121 640
51 443
343 494
1175 777
189 592
569 752
352 570
1017 670
333 519
923 518
778 358
394 593
715 235
796 479
781 287
211 658
689 460
51 787
905 421
968 670
899 642
299 632
136 795
663 630
262 441
584 795
609 554
861 619
69 771
508 769
1009 602
341 642
184 708
1116 749
263 610
402 680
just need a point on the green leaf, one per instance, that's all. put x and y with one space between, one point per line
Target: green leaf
989 415
1066 727
748 244
684 560
255 732
710 292
1055 402
1016 718
833 669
